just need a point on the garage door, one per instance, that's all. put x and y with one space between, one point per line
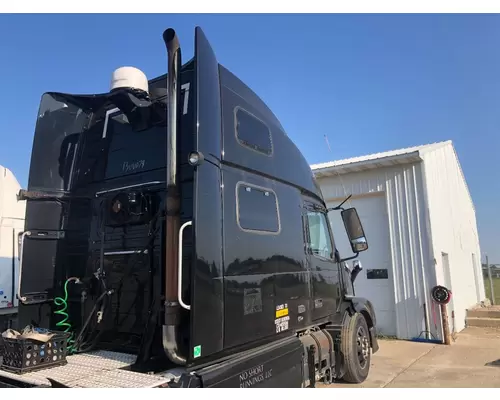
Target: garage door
375 282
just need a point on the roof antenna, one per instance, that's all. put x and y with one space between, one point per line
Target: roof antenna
328 143
340 177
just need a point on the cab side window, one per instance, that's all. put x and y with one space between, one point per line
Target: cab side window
319 239
257 209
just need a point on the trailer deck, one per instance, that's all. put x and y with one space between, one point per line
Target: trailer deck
98 369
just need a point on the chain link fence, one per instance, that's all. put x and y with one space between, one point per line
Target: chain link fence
492 282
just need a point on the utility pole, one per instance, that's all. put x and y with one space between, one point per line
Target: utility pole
491 281
446 324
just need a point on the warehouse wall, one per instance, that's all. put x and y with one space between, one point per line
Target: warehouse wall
454 231
410 247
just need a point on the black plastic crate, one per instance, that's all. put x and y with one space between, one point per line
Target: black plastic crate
27 355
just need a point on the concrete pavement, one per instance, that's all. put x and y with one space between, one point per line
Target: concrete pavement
468 362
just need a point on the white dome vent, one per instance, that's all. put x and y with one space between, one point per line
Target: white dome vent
129 77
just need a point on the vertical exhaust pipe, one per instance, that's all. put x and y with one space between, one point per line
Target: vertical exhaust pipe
172 307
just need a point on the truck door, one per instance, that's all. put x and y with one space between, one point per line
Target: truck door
320 250
207 311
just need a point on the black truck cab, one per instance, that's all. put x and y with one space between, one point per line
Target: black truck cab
194 231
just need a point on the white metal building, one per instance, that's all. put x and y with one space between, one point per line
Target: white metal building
11 224
421 228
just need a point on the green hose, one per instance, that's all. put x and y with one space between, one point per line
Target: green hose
63 302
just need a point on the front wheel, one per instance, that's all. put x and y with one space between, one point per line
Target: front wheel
356 349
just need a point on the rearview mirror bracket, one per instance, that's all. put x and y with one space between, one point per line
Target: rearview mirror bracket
350 258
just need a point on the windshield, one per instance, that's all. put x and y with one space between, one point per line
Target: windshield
58 127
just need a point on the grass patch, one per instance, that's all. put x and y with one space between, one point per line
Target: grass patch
496 289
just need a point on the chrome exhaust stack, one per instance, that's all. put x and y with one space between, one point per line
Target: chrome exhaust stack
172 221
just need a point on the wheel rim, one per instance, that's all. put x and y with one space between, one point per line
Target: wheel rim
362 346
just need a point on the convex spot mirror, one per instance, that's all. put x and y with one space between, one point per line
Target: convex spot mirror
354 229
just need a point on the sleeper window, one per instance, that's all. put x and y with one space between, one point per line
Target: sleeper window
252 132
257 209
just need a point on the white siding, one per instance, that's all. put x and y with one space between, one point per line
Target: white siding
432 222
410 255
9 188
372 210
11 223
454 232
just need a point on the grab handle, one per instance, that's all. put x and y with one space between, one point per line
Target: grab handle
179 263
23 236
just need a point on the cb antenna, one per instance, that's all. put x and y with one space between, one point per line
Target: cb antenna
340 177
328 143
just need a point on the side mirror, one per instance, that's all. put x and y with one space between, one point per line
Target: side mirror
354 230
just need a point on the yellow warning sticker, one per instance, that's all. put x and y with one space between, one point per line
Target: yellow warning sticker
281 313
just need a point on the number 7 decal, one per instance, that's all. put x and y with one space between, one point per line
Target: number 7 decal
185 87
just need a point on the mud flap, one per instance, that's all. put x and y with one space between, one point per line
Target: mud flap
373 339
338 357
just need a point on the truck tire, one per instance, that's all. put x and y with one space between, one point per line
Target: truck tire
355 348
